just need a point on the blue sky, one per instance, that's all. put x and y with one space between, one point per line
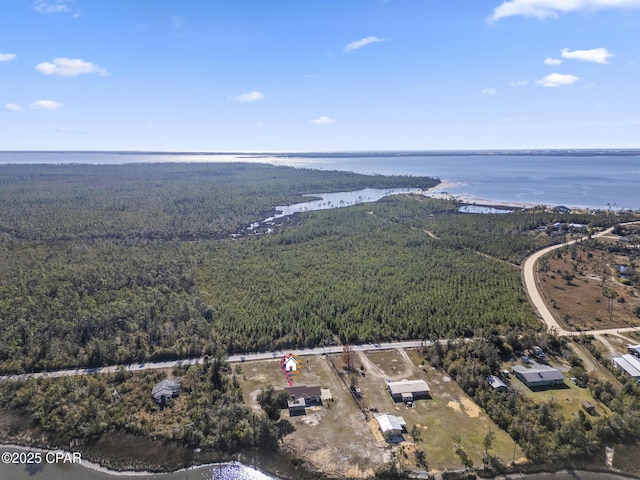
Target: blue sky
318 75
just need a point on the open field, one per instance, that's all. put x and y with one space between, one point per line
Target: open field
448 412
576 281
337 435
568 397
334 438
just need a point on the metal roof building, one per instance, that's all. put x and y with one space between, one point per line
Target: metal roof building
629 363
538 375
496 383
634 349
390 424
407 390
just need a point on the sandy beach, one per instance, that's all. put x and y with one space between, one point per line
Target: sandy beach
441 191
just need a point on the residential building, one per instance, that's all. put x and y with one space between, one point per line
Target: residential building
538 375
496 383
165 390
301 396
391 425
408 390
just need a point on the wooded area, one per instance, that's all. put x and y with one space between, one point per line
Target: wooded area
132 263
542 431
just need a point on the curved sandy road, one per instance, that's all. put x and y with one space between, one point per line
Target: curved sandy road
530 280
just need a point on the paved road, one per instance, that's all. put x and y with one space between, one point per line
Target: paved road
530 283
136 367
530 280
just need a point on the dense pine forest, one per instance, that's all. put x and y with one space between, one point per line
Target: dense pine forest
115 264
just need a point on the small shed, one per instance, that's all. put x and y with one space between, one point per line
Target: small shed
325 395
496 383
589 407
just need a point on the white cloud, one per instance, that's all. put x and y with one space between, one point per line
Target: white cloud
557 80
552 61
7 57
252 96
45 105
552 8
56 6
12 107
361 43
322 120
520 83
597 55
488 91
69 67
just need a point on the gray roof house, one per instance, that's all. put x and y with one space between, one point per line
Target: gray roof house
165 390
538 376
407 390
301 396
496 383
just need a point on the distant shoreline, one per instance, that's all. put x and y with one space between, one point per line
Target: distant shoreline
577 152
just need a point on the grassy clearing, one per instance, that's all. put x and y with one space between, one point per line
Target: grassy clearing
338 436
450 411
568 397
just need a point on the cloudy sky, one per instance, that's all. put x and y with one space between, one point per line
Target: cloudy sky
309 75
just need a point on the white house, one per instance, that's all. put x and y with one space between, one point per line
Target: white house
391 425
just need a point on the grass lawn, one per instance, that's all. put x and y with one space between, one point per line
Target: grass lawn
568 397
337 436
449 412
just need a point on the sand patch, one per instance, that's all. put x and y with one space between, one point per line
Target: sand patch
311 420
377 434
355 472
455 405
470 408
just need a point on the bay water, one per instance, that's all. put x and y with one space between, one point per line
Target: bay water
586 181
603 181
